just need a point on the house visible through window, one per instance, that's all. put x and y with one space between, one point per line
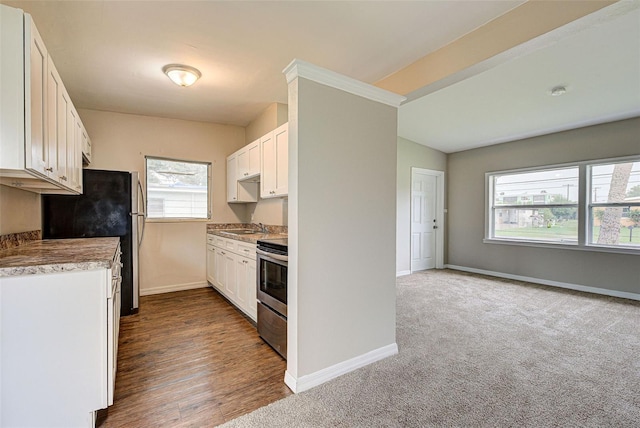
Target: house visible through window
177 189
537 205
587 204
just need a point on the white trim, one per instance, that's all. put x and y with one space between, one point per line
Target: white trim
578 287
440 210
306 382
564 246
299 68
403 273
172 287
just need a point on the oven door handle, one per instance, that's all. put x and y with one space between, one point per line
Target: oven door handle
273 256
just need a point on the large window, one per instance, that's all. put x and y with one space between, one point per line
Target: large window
177 189
537 205
614 204
584 205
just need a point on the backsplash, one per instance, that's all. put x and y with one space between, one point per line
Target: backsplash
224 226
15 239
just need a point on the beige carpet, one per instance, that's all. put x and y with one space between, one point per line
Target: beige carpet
480 351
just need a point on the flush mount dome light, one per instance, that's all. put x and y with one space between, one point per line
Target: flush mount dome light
558 90
181 75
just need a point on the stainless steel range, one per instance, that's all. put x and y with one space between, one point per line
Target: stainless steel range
272 261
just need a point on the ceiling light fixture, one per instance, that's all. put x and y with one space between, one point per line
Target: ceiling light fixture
181 75
558 90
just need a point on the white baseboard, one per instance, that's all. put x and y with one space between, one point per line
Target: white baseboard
403 273
172 287
585 288
321 376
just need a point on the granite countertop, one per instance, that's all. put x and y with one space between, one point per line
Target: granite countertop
58 255
252 238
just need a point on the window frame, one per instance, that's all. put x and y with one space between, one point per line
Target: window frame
178 219
583 206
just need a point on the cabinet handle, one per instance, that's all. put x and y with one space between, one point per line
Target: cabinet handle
50 169
63 178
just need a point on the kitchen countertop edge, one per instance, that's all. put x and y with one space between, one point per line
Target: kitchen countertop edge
58 255
250 238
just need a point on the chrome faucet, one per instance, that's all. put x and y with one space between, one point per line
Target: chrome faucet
262 228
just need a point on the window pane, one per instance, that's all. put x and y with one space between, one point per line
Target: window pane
177 189
557 186
618 182
548 224
615 226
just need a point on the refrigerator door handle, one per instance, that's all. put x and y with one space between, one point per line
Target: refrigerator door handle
144 213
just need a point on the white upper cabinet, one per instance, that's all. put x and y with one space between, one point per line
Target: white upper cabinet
39 153
74 154
265 160
240 191
55 126
249 161
274 170
35 100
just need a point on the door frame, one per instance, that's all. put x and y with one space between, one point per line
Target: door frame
439 175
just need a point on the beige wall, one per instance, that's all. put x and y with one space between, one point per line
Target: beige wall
519 25
267 211
411 155
172 254
342 205
466 193
20 211
272 117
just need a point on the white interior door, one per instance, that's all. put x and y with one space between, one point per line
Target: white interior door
424 220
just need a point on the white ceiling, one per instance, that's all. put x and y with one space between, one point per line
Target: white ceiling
596 58
110 53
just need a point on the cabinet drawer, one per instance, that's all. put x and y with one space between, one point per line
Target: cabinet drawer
219 242
211 239
246 250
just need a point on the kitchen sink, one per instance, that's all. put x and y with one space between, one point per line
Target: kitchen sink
239 231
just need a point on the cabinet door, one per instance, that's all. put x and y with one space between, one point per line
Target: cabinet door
74 153
252 284
253 156
231 284
211 264
243 164
220 272
281 148
241 280
86 147
267 166
232 179
65 144
56 127
36 158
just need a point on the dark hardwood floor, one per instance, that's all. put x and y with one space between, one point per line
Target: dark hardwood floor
189 359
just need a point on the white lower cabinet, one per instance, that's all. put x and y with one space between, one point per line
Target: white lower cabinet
231 269
59 346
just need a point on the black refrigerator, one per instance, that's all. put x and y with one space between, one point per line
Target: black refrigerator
112 204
